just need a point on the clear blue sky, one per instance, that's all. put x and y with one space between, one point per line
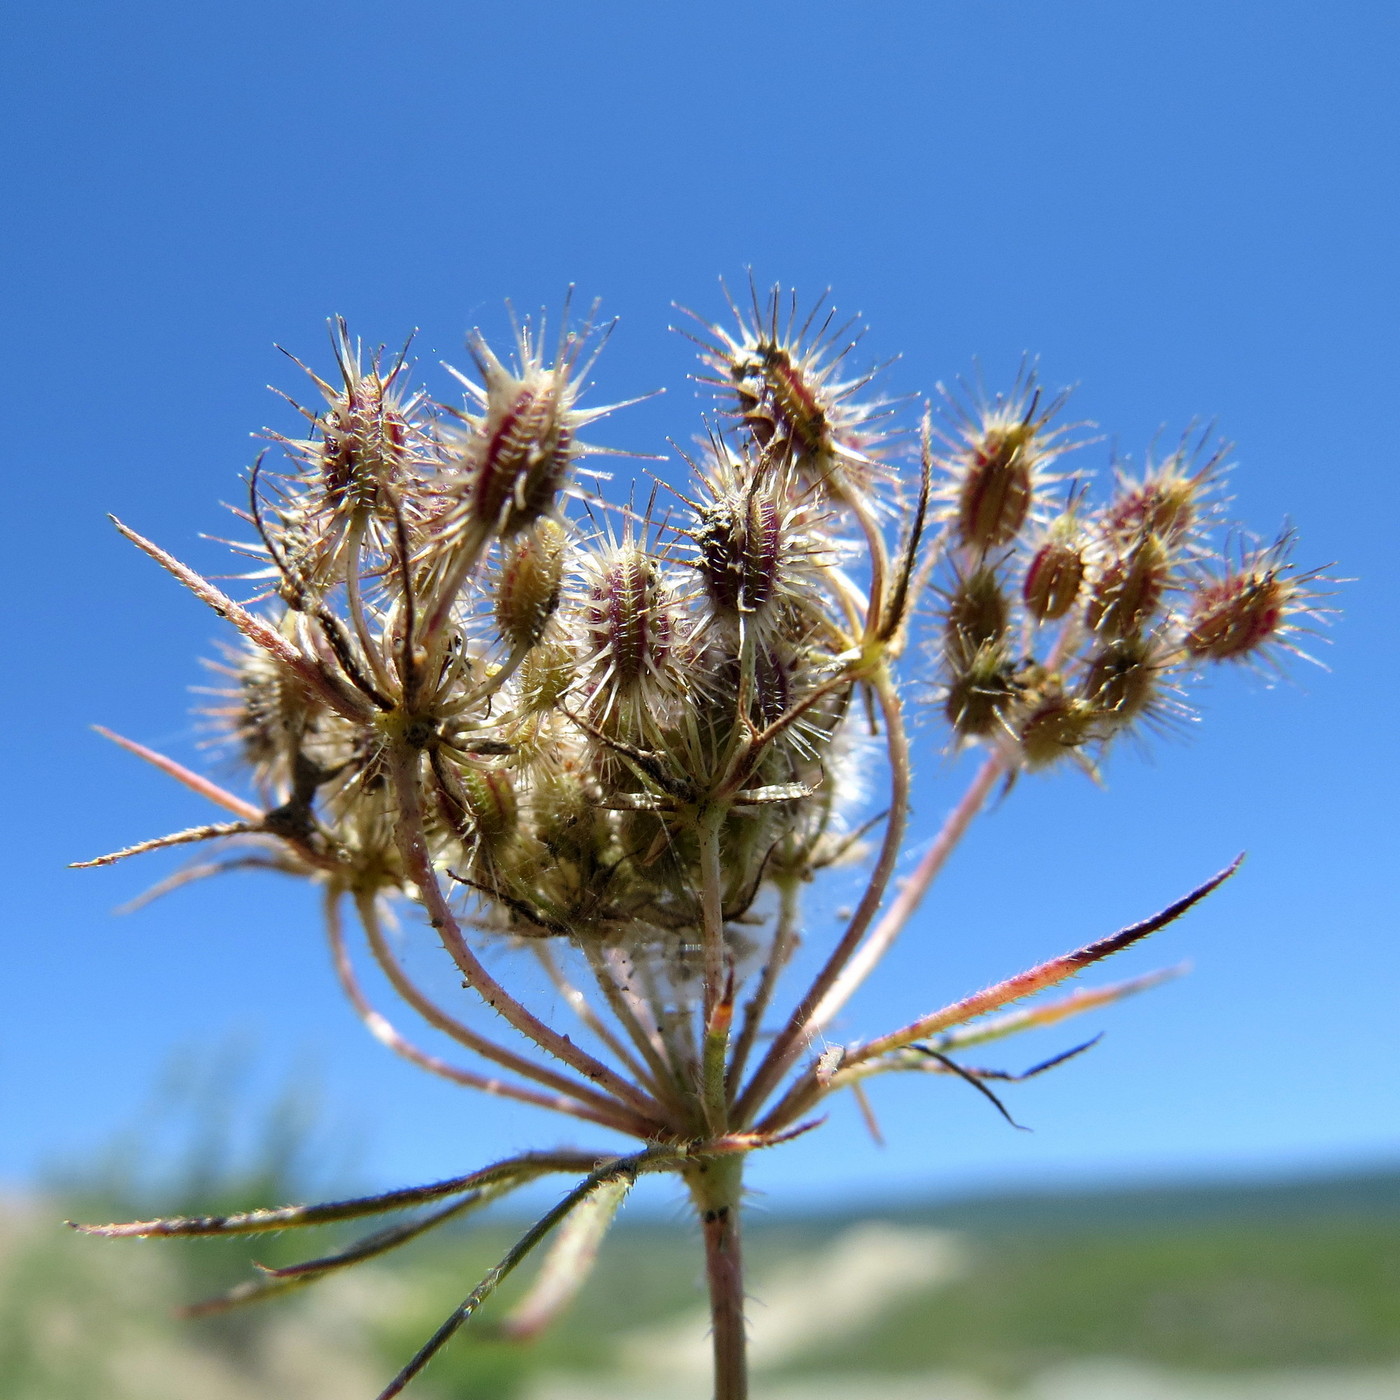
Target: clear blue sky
1189 210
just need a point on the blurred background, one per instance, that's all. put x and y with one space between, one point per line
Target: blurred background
1188 212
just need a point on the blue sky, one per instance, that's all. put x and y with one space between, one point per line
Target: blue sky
1189 211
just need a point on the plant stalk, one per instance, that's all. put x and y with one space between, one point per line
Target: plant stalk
715 1186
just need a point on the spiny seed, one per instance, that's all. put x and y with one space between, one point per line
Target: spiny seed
1164 505
1236 615
1129 590
1053 581
979 696
1121 680
523 461
995 495
796 404
527 589
626 616
741 546
490 799
364 444
977 616
545 676
1054 727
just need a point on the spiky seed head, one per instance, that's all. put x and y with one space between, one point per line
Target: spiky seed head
1122 680
528 583
1053 579
630 634
509 463
367 436
1053 725
980 693
741 544
1130 588
997 486
545 676
1165 505
994 463
491 802
629 625
357 477
524 447
788 394
977 616
1170 500
1251 606
269 716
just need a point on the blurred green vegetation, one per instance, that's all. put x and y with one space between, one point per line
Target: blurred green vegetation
1239 1279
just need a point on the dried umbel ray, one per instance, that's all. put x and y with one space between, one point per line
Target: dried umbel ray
471 687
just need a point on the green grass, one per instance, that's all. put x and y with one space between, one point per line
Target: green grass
1216 1279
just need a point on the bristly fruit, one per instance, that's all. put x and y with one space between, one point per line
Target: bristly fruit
636 743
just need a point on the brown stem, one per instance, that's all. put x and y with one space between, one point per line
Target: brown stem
911 891
436 1017
715 1185
794 1036
611 1115
418 866
194 781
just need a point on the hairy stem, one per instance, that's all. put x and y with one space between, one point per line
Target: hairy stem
715 1186
418 866
436 1017
912 891
792 1039
607 1114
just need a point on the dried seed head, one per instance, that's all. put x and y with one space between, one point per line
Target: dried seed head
759 541
994 467
995 496
1130 588
490 800
1053 725
528 582
357 478
272 719
1170 500
1122 681
1053 577
979 694
545 676
508 466
783 380
368 437
523 446
630 635
976 617
1250 609
741 550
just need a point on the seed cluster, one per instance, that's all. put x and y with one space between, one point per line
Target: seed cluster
555 722
580 693
586 697
1064 624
